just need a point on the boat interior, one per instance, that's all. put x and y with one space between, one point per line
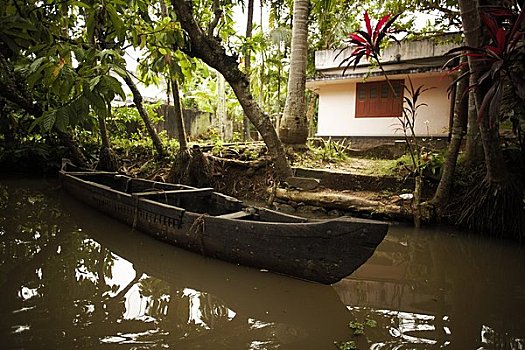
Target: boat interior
198 200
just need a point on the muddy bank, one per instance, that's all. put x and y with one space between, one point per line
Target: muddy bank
332 192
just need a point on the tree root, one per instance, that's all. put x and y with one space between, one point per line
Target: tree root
108 160
494 209
190 167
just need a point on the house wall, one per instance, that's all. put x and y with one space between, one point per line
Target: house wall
400 54
337 109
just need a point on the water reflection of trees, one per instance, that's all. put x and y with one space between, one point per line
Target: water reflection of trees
58 286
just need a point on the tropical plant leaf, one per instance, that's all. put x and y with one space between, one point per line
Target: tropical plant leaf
486 100
45 122
112 84
93 83
62 119
97 103
78 110
496 58
368 24
380 25
119 26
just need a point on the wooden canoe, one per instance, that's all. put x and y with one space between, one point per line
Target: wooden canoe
218 226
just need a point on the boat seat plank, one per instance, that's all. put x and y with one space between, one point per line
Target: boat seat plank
197 191
235 215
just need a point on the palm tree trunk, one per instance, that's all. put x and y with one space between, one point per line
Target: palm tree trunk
293 129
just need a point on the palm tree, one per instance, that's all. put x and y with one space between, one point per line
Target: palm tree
293 129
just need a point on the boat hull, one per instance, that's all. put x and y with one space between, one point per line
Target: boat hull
323 251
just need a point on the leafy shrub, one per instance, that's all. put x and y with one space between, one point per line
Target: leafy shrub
330 151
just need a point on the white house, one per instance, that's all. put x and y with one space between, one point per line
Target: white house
361 104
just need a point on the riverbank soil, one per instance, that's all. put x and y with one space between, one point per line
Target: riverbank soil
348 188
366 187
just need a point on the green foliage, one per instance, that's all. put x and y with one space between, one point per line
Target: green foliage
500 63
31 155
70 54
215 138
128 132
330 151
404 161
358 329
370 323
431 163
66 75
160 41
249 154
346 345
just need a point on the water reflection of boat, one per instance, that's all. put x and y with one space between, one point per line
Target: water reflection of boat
218 226
300 314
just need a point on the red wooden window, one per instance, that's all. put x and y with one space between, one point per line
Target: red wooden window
376 99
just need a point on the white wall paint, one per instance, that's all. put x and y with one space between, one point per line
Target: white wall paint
337 109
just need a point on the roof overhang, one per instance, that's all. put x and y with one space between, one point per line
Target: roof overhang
393 71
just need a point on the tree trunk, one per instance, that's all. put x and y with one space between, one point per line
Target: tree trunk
77 156
293 129
179 117
247 64
442 195
310 113
103 132
495 205
473 147
212 53
107 160
495 165
137 99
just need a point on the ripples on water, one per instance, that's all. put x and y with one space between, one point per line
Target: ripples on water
71 278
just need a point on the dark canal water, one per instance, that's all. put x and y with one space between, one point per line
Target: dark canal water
71 278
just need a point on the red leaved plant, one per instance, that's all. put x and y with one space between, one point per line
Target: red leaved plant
505 48
368 43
